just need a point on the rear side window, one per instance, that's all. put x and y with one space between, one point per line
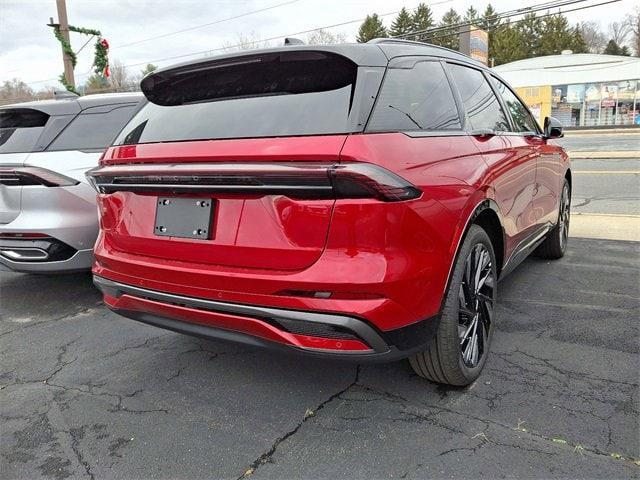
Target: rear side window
480 102
93 129
418 98
20 129
522 119
267 95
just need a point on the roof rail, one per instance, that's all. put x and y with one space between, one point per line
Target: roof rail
402 41
396 40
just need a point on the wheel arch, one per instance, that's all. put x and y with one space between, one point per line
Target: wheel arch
487 215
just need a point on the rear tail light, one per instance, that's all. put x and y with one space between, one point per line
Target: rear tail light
21 176
294 179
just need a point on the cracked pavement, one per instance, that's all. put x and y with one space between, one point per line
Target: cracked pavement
87 394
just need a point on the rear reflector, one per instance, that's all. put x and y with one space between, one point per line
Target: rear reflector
294 179
23 235
22 176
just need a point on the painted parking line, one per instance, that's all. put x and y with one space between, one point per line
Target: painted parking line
605 172
575 154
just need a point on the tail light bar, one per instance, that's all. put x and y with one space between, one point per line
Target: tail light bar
21 176
294 179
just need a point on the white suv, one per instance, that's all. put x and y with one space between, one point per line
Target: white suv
48 215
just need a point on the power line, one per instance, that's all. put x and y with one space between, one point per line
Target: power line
278 37
249 43
498 16
512 13
215 22
517 12
473 29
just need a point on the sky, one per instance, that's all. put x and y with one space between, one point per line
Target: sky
30 52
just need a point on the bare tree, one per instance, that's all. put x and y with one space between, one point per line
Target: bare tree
619 31
119 78
634 23
325 37
245 42
15 91
593 36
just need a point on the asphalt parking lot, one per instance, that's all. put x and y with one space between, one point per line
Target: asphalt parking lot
87 394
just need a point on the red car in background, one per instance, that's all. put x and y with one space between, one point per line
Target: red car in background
351 201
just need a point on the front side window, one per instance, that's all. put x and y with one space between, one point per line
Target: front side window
92 131
20 129
522 120
480 102
417 98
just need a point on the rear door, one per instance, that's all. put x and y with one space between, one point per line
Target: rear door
512 163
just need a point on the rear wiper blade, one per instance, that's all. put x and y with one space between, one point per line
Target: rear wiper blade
407 115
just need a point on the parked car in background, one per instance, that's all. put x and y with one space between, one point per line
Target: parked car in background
351 201
48 214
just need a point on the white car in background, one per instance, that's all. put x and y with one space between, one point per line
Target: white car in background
48 215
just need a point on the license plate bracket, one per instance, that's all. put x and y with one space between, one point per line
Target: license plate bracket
184 217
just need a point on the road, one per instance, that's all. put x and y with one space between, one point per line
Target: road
85 393
601 142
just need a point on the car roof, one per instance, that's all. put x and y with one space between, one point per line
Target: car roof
374 53
72 105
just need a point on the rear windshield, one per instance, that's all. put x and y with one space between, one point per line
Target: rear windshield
280 94
20 129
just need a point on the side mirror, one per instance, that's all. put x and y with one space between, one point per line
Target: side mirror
553 128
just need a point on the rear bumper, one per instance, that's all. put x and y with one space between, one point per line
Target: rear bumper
334 335
80 260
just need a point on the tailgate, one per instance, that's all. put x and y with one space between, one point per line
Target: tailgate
268 230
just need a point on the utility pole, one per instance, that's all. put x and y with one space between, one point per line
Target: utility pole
63 24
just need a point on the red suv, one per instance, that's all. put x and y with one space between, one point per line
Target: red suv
351 201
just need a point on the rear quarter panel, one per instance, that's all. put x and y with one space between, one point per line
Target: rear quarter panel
420 236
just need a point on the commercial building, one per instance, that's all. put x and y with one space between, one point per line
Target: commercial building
580 90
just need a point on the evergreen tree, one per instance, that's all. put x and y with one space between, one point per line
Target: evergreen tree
578 43
490 20
508 45
556 35
613 48
490 23
530 30
371 28
148 69
422 20
449 35
471 15
402 24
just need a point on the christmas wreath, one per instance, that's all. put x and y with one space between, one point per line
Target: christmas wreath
101 52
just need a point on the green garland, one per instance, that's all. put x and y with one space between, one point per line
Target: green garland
100 57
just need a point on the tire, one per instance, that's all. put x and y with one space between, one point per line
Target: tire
450 359
555 245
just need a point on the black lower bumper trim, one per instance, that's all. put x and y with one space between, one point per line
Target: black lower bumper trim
410 339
